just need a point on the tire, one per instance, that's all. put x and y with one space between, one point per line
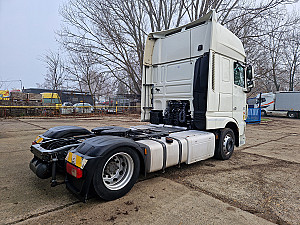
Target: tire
263 113
116 173
225 145
292 114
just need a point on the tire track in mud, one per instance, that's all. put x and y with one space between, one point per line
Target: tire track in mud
43 213
9 152
270 216
15 131
32 124
265 212
266 142
272 140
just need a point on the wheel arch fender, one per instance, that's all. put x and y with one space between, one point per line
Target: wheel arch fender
99 146
65 131
93 150
233 126
225 122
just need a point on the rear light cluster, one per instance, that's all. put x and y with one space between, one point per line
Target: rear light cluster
74 170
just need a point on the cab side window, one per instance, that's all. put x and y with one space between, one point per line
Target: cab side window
239 75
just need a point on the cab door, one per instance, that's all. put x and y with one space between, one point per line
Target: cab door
239 96
226 80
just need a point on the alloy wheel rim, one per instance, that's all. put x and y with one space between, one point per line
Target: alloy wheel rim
118 171
228 144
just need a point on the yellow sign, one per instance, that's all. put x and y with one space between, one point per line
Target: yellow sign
4 95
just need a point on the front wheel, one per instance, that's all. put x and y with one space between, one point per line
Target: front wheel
225 144
116 173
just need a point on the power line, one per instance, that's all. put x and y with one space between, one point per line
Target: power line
11 81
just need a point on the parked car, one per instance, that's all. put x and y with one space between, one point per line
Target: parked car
83 108
66 108
111 110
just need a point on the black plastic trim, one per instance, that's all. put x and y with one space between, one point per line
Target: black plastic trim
200 87
180 150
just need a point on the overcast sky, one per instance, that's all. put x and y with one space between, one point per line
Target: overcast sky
26 32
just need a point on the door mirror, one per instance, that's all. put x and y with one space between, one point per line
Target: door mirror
249 78
249 72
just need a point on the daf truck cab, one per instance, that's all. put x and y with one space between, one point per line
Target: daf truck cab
197 76
194 84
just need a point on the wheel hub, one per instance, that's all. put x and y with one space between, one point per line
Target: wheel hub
112 168
228 144
117 171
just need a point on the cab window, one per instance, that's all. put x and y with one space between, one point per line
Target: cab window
51 100
239 75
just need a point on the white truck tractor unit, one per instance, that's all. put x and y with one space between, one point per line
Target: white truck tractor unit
283 103
194 86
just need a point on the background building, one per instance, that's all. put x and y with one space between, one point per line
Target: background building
65 95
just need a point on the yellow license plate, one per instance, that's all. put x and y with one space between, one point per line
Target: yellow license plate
38 139
76 160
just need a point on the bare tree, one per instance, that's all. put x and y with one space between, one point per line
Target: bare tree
114 31
83 70
274 52
55 76
292 54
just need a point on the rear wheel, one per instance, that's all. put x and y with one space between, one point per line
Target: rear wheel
116 173
292 114
225 145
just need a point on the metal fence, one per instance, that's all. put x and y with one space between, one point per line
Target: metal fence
19 111
254 114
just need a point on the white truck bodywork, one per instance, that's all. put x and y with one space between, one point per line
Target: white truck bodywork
170 58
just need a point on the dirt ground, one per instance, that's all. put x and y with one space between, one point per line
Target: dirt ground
260 184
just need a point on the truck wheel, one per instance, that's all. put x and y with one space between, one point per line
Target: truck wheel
116 173
292 114
225 145
263 113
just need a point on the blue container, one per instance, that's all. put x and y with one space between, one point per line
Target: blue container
254 115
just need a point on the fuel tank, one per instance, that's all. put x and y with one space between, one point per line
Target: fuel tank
179 147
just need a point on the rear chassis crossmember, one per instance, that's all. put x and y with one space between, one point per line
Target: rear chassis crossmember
49 156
